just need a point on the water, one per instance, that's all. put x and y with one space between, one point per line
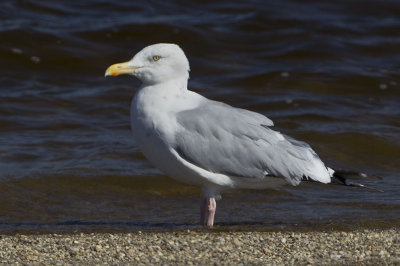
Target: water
325 72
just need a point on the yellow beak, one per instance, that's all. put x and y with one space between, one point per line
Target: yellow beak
119 69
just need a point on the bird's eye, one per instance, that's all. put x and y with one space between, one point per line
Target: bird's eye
156 58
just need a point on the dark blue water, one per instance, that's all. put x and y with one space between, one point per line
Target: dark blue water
327 73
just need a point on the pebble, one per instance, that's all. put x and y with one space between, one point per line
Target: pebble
203 247
236 242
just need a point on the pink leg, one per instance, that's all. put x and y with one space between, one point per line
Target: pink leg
207 208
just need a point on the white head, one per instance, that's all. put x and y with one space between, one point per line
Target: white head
154 64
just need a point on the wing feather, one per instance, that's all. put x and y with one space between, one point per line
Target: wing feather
237 142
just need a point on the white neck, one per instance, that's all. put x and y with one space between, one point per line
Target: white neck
171 87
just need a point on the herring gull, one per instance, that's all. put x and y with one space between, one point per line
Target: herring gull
208 143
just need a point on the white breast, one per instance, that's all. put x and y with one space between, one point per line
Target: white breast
153 125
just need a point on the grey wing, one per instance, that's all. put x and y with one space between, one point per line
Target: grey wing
237 142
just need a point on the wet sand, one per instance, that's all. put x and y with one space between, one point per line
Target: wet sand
202 247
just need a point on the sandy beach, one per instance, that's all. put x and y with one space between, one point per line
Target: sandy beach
364 247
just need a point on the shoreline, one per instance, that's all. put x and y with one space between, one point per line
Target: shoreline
199 247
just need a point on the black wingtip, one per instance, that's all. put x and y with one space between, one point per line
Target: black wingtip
343 176
351 174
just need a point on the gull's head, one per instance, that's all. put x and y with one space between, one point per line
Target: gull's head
154 64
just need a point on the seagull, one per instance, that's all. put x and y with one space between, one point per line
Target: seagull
208 143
